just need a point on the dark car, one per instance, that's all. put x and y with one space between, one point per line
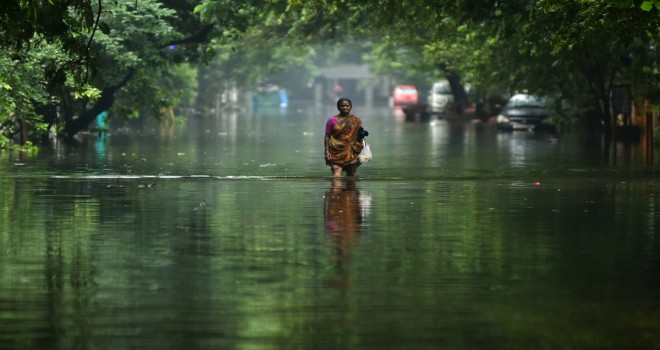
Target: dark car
524 112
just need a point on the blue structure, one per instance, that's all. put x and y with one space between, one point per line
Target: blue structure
268 97
102 124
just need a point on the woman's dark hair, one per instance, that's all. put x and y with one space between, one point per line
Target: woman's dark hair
339 101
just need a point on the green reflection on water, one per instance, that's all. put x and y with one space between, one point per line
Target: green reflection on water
296 263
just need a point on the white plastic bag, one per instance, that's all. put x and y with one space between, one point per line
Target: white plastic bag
365 155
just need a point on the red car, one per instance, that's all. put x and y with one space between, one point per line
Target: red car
405 95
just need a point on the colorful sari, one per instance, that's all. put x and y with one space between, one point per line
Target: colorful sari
344 147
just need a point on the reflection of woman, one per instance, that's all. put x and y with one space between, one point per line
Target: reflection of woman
343 217
342 144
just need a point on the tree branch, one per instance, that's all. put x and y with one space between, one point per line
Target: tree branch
103 103
198 37
91 37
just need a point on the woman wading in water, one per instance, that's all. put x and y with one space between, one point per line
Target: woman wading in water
343 140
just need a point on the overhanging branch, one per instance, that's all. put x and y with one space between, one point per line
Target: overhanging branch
196 38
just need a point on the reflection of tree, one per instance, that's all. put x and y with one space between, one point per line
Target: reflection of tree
342 217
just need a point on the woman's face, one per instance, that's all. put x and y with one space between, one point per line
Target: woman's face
344 108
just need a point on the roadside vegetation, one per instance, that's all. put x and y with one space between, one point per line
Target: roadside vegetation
64 62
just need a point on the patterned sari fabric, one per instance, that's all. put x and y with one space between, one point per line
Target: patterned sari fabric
344 147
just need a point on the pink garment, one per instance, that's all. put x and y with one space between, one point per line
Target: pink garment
332 121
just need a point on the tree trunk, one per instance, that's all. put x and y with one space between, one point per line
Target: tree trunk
48 113
457 88
600 91
24 132
73 126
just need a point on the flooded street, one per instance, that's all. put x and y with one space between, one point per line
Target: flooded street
230 234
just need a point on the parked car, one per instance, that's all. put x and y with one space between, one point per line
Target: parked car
524 112
440 98
405 95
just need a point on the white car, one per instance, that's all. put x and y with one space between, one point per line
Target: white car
440 98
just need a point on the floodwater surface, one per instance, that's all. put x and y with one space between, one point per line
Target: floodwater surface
229 233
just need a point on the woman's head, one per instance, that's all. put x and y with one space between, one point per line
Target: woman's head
344 99
344 106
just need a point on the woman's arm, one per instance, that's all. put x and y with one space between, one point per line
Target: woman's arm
326 142
326 138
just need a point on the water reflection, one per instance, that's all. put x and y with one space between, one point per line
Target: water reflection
344 212
101 152
269 111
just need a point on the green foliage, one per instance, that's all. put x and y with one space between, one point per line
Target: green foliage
402 63
28 148
575 50
23 86
181 82
45 59
5 143
54 20
95 63
137 41
648 5
644 5
252 58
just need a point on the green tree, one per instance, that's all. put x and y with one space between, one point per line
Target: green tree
41 45
136 55
25 93
578 50
105 54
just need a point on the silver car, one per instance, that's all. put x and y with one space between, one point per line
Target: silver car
440 98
